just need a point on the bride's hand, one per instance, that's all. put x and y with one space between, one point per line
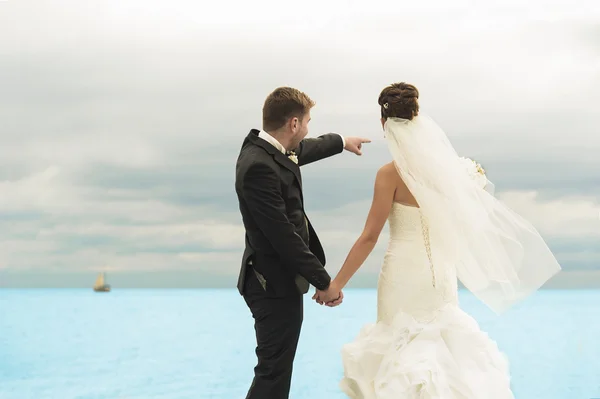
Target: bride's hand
337 301
331 297
332 303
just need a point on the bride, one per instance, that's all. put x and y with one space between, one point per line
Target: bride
445 224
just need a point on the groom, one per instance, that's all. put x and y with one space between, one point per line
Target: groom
283 255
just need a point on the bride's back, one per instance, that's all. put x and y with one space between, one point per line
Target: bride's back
402 194
413 278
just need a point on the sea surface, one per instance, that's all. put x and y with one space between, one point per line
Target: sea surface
180 344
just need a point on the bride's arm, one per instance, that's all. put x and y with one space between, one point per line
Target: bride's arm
383 198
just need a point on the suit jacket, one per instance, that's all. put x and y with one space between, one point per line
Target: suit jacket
281 244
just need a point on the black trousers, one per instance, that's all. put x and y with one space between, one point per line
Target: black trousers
277 322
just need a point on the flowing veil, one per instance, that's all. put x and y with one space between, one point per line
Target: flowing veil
499 256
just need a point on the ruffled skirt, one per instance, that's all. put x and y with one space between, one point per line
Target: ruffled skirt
448 357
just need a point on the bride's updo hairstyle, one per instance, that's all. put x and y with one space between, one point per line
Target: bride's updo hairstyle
399 100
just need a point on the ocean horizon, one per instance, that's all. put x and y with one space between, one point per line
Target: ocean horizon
199 343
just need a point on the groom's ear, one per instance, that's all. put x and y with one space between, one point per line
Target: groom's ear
294 124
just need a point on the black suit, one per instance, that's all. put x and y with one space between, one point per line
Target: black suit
283 254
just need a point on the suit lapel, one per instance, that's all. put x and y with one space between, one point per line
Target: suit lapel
289 165
278 156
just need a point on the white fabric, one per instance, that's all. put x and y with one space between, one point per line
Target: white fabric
498 255
267 137
272 140
422 346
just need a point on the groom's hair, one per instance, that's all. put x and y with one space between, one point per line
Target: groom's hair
282 104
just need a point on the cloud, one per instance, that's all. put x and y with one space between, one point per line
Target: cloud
564 217
570 225
121 121
93 229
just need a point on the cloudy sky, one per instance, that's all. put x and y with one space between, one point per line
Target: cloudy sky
121 121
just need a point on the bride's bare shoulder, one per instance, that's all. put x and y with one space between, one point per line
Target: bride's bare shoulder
392 177
388 174
388 171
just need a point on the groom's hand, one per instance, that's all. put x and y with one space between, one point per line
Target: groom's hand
335 302
354 144
332 296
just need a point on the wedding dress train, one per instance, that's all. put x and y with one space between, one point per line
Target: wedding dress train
422 345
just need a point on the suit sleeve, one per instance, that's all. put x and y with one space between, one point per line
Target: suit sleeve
315 149
261 189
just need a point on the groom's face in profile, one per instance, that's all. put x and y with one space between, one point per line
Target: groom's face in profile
299 129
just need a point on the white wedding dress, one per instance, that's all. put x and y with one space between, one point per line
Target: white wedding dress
423 346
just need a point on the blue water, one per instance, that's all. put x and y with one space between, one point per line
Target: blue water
199 344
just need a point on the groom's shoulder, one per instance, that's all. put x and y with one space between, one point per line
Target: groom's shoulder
254 160
256 172
252 153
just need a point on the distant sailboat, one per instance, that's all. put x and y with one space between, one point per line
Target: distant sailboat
100 285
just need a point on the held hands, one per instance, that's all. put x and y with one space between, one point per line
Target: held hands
354 144
332 296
